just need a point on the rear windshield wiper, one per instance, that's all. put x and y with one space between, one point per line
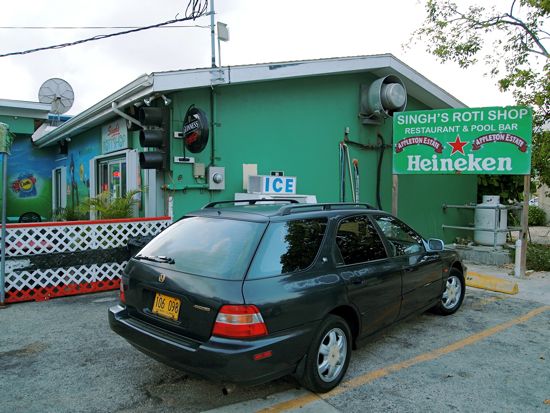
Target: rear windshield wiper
156 258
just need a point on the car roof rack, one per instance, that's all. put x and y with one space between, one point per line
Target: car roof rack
249 201
289 209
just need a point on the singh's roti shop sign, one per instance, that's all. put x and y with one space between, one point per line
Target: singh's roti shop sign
493 140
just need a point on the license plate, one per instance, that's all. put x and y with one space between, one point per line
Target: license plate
166 306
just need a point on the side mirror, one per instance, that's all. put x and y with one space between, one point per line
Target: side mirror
435 244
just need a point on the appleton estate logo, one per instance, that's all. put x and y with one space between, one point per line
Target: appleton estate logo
419 140
499 137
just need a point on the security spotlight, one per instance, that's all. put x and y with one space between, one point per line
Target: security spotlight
166 100
148 100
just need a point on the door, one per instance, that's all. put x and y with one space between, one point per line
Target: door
422 270
372 279
59 189
112 176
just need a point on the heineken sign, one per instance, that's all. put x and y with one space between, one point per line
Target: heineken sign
494 140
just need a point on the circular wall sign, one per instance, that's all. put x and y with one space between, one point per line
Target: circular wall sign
195 130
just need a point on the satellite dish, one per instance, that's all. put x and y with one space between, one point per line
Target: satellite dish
58 93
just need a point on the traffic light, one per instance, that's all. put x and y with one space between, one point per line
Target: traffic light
154 134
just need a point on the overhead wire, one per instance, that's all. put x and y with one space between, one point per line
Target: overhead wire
194 10
95 27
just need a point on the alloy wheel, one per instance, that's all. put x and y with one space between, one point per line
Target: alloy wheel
453 293
332 355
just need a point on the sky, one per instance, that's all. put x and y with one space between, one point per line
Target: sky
260 31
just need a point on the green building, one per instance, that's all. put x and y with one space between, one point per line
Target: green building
265 119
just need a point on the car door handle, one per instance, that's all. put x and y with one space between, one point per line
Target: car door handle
410 269
357 280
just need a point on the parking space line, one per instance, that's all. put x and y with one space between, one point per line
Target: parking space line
385 371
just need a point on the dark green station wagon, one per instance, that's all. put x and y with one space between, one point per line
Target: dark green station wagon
245 292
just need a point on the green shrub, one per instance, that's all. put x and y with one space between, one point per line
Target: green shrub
537 216
108 207
538 257
69 214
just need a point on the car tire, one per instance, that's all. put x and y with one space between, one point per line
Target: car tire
328 356
453 294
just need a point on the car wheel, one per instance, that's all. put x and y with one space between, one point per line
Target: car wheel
328 356
453 295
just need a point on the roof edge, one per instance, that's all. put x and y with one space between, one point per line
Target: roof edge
102 109
163 82
38 110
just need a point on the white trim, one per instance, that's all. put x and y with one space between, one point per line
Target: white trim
24 104
100 112
132 170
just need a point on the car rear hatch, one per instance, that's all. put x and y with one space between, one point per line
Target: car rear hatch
179 281
179 302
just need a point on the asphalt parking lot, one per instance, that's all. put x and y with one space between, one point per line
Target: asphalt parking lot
491 356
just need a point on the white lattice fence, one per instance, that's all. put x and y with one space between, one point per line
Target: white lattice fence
31 249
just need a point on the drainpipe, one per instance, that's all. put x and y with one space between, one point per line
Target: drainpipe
212 92
213 123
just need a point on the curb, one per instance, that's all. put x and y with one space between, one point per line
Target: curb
491 283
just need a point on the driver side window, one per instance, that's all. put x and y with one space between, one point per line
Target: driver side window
402 239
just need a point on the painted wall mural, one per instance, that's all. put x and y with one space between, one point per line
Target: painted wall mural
81 151
29 179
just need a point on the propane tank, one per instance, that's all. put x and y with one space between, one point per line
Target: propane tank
485 218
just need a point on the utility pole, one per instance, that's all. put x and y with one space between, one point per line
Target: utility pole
213 32
5 147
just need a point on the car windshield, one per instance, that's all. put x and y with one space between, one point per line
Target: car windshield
211 247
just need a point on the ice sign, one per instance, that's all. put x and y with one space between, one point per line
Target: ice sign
273 185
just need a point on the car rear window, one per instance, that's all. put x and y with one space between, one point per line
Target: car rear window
288 247
211 247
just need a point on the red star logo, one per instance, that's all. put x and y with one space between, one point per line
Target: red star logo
458 145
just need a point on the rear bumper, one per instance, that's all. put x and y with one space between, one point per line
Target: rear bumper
218 359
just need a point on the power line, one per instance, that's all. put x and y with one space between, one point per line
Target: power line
93 27
194 10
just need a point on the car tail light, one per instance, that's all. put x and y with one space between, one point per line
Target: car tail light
239 321
122 296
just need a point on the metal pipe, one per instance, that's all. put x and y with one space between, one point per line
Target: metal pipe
342 174
114 107
481 229
352 184
3 244
172 187
356 175
213 32
481 207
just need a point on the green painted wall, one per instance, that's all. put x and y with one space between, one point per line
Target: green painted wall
296 126
19 124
